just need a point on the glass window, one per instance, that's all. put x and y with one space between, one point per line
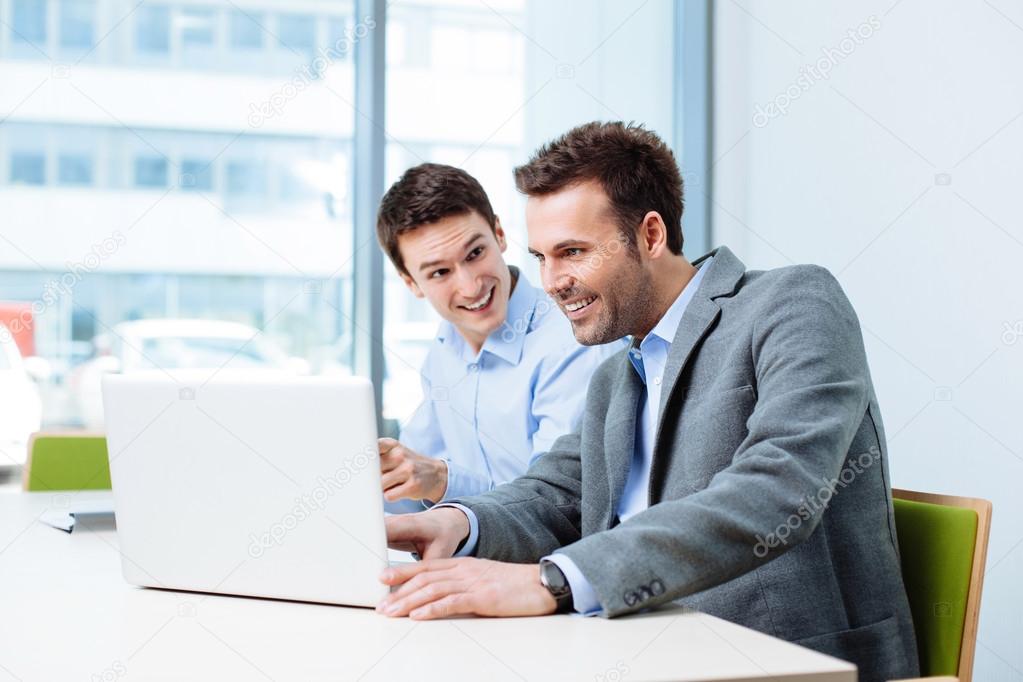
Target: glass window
178 352
503 95
294 187
396 51
245 31
198 27
340 39
74 169
28 168
297 32
280 189
76 23
150 171
244 178
196 175
152 29
28 21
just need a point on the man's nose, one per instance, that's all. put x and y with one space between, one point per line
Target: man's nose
556 281
468 283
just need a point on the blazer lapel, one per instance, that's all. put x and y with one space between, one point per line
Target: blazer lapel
620 433
702 312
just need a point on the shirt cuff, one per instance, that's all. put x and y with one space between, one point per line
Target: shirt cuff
469 548
462 482
584 598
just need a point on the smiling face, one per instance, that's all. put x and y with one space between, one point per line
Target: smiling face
456 264
602 284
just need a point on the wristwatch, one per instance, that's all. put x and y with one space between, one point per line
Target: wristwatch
556 583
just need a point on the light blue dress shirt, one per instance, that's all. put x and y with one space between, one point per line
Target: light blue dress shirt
649 360
490 414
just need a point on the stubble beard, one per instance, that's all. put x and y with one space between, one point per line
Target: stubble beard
626 305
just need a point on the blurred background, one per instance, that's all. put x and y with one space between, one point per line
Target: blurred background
170 161
194 183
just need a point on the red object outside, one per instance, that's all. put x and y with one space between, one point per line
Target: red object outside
18 319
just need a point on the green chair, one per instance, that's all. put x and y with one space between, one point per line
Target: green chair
943 546
68 460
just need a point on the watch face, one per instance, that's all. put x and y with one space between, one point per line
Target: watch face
553 578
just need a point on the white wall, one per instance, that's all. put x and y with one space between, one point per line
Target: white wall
606 60
901 174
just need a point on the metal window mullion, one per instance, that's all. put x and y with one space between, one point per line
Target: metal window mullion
694 118
368 188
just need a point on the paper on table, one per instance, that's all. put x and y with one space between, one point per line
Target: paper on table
86 511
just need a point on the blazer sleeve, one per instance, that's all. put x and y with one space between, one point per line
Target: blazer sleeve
812 390
524 520
528 518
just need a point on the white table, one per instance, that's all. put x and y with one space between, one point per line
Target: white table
66 613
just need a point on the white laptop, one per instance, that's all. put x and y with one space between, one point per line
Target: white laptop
249 484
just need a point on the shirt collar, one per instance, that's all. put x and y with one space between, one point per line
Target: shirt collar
506 341
667 326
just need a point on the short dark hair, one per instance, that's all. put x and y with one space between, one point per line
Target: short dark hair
425 194
636 169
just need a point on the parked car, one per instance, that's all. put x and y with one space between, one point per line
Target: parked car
172 344
21 409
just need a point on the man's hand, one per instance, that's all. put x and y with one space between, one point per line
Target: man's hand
409 475
433 534
438 588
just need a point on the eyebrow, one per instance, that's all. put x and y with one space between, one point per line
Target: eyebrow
560 245
469 242
569 242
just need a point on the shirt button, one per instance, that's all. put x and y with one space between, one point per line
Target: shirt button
657 381
473 367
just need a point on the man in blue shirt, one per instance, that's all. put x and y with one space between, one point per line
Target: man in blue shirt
505 376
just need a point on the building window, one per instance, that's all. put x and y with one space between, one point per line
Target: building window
244 178
245 32
340 38
28 168
29 22
76 23
297 32
74 169
196 175
197 27
150 171
295 188
152 29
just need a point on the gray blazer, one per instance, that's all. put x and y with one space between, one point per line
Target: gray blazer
770 500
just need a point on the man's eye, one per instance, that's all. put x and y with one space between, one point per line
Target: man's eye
474 254
436 274
572 252
538 257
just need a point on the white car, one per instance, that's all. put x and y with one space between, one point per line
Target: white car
172 344
21 409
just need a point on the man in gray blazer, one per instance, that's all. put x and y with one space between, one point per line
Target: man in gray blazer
732 460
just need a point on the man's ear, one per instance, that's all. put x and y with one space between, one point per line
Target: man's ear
653 235
502 241
411 284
